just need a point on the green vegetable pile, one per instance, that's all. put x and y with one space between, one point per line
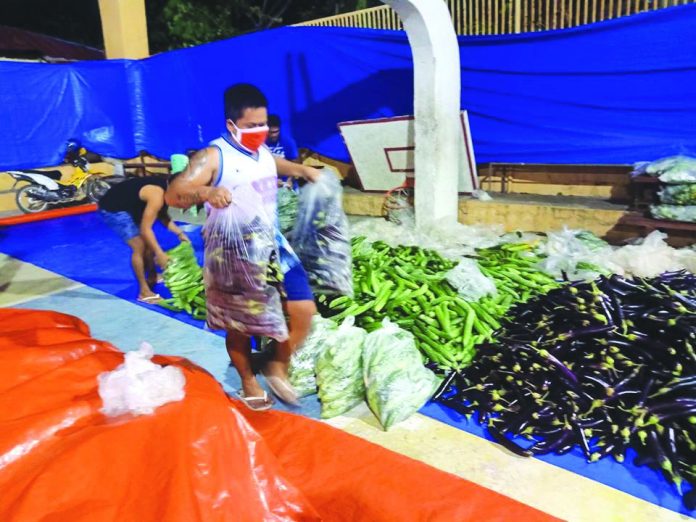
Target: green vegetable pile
184 279
407 285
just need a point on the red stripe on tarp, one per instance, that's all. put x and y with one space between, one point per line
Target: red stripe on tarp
48 214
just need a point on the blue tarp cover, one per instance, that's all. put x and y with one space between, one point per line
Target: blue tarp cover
612 92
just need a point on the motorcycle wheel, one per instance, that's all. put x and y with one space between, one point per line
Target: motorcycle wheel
95 188
28 202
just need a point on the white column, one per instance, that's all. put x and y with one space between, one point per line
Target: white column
437 88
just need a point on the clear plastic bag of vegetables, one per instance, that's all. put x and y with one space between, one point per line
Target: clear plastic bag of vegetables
321 239
301 371
339 370
397 383
678 194
673 169
287 208
674 212
242 275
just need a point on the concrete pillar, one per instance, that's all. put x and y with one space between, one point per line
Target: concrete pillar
437 88
124 27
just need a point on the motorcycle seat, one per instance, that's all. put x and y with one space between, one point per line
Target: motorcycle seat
53 174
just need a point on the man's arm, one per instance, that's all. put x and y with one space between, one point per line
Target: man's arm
168 222
192 186
153 197
296 170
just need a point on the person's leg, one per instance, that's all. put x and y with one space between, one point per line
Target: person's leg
150 270
300 309
239 350
300 315
138 264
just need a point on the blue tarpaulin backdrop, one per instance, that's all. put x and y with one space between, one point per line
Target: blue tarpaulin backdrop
612 92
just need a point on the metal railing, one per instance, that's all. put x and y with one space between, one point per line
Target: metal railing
471 17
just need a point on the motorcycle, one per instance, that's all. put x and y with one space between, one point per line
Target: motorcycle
46 188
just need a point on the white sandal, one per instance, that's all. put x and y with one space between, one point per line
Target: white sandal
266 401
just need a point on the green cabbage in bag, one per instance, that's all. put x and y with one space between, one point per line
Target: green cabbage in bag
339 370
398 384
301 370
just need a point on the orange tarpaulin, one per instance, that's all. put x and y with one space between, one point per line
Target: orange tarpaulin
199 459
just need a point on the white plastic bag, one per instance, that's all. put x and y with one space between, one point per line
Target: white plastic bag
321 238
470 283
139 386
301 370
242 275
576 255
649 258
397 383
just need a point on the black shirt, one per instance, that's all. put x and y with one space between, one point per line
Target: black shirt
125 197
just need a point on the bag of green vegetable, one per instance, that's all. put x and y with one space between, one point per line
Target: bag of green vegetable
287 209
674 169
674 212
321 239
678 194
339 370
242 275
397 383
302 363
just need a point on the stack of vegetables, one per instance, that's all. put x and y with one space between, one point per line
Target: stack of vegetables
184 279
408 285
602 366
678 197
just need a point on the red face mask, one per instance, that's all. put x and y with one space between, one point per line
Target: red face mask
253 138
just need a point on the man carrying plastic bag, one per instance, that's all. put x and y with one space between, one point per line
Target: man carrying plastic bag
236 177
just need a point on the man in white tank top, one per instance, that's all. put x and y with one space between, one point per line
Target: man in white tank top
240 163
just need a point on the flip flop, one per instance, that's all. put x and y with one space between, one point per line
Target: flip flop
265 401
152 299
282 389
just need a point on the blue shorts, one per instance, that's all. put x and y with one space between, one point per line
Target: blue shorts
297 284
121 223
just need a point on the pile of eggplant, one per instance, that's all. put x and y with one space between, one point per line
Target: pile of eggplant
605 366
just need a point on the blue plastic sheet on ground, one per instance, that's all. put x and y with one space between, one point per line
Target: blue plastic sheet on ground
82 248
611 92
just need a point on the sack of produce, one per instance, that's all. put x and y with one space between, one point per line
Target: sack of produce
302 363
674 212
241 273
287 209
673 169
339 370
320 237
397 383
470 283
678 194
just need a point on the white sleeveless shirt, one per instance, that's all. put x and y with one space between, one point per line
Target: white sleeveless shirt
239 167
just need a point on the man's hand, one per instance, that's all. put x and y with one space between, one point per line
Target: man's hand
162 260
311 174
219 197
183 237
